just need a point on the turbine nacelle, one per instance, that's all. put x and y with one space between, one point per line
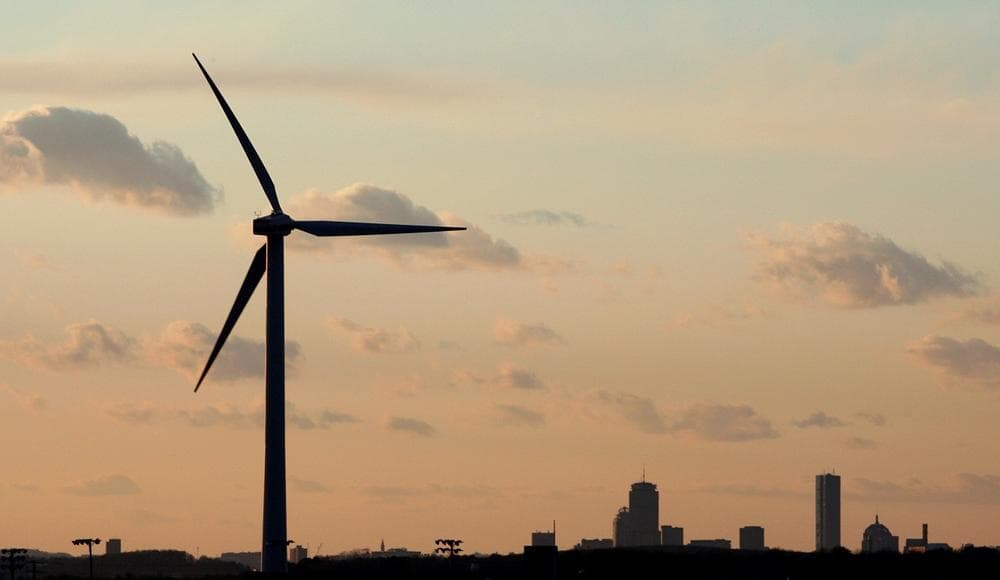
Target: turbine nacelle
275 224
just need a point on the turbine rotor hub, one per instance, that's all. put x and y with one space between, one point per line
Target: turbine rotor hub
276 224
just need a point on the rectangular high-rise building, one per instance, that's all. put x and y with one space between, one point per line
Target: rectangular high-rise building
751 538
113 546
827 512
671 536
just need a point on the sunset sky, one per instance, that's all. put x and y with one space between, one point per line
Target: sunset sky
736 245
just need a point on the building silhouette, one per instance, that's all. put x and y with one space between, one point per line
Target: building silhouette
671 536
595 544
543 538
922 544
717 544
752 538
827 512
297 553
639 523
113 546
878 538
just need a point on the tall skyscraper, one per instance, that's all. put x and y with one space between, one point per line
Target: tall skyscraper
827 512
639 523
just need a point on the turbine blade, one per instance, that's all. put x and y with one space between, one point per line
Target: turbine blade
329 228
254 274
258 165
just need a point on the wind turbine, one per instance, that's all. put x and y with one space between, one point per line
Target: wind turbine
270 258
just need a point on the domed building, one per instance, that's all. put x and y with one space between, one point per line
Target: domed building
878 538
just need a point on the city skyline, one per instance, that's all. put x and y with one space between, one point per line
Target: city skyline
738 244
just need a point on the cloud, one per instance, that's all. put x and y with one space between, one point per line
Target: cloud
969 488
473 249
25 486
876 419
518 416
376 340
513 377
87 344
361 84
412 426
861 443
753 491
96 155
184 347
32 259
716 422
307 486
30 401
224 414
851 268
513 333
398 493
545 217
105 485
641 412
973 361
820 420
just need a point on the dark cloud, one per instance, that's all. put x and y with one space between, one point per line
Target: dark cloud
518 416
545 217
513 333
397 493
969 488
87 344
412 426
510 376
820 420
106 485
965 362
716 422
851 268
97 156
641 412
376 340
470 249
184 347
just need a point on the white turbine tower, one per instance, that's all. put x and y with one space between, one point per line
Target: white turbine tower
270 258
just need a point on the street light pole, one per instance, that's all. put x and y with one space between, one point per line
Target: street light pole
89 542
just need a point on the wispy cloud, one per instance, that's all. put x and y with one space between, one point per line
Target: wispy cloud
514 333
30 401
376 340
876 419
641 412
708 421
717 422
473 249
969 488
545 217
518 416
184 347
223 414
98 158
851 268
87 344
861 443
513 377
108 485
308 486
819 420
412 426
972 362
